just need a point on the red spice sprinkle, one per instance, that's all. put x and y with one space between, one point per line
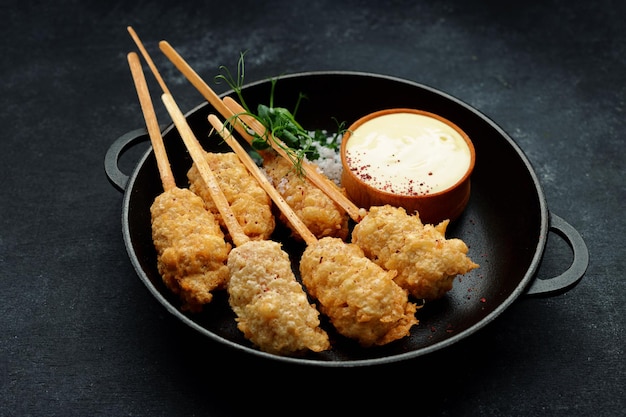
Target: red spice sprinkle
362 172
483 300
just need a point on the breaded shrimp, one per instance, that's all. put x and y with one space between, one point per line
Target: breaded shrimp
191 251
316 210
249 202
272 309
360 298
426 261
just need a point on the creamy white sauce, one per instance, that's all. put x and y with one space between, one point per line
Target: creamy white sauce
407 154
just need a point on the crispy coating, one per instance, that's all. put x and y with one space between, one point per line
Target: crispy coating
426 261
249 202
272 309
316 210
360 298
191 251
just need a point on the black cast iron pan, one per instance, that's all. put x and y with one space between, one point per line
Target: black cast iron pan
505 225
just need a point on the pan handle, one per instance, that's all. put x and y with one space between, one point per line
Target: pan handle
114 153
576 270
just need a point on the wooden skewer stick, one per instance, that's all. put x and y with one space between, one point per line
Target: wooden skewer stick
146 56
248 120
312 174
202 87
152 124
193 77
198 156
245 158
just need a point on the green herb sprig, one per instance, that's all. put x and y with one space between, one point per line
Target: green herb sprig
281 127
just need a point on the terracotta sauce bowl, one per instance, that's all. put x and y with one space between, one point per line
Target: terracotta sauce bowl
433 207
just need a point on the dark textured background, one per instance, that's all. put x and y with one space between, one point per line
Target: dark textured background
81 335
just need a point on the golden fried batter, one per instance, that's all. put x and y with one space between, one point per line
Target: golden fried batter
191 251
316 210
250 203
360 298
426 261
272 309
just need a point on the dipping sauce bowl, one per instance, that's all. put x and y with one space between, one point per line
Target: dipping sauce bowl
408 158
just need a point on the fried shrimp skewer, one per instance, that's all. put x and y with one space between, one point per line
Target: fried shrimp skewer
191 251
321 215
426 261
360 298
272 309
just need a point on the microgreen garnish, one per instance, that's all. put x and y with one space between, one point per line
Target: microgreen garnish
281 127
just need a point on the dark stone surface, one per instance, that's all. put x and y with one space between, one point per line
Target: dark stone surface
82 336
